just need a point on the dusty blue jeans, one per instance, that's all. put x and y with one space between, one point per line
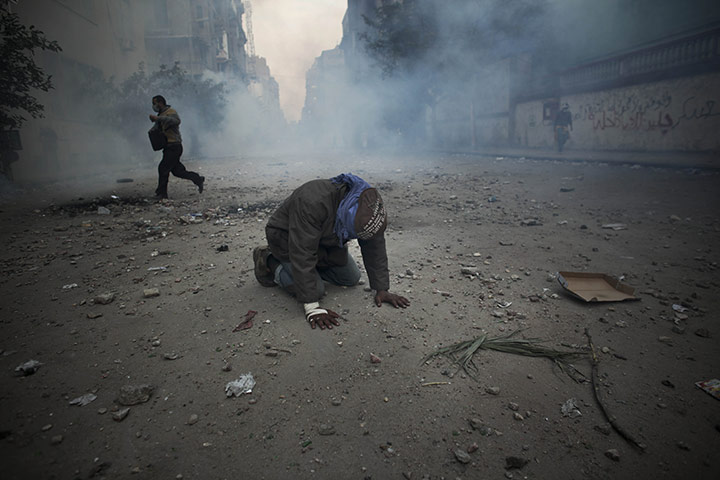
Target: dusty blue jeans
345 276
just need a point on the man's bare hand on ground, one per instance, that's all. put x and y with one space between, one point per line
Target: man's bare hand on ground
324 320
383 296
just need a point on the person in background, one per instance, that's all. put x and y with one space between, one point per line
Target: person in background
168 120
308 236
562 126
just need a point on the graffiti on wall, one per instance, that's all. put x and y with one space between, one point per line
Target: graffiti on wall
629 112
655 113
695 109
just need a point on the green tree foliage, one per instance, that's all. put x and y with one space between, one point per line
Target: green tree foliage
19 74
205 97
125 106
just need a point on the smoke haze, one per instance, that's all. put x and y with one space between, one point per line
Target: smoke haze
290 34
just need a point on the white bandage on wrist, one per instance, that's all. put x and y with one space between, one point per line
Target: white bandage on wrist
312 309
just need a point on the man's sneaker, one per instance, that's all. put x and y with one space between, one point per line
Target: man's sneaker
262 272
201 185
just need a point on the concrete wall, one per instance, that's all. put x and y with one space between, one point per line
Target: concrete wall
475 114
680 114
98 36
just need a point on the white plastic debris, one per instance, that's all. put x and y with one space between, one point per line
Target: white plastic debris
83 400
570 409
28 368
244 384
70 286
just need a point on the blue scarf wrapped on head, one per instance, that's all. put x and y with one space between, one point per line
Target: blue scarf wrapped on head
345 218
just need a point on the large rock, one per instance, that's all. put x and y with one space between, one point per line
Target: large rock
135 394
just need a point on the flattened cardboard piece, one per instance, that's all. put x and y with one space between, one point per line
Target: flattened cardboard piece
596 287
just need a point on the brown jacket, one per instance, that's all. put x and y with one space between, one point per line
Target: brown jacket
169 122
301 232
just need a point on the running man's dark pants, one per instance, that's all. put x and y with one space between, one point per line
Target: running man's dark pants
171 163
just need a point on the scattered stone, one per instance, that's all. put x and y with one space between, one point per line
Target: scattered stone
530 222
461 455
105 298
683 446
222 248
513 406
226 367
336 402
94 315
512 462
605 428
135 394
678 329
28 368
120 415
325 429
674 219
193 419
102 411
475 423
103 211
171 356
613 454
47 427
374 358
518 417
83 400
56 440
493 390
665 339
151 292
702 332
473 447
668 383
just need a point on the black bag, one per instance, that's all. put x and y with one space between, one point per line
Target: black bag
158 140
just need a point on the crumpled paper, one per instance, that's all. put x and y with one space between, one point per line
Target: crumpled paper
570 409
244 384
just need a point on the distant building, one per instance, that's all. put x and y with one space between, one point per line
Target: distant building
262 84
328 105
200 34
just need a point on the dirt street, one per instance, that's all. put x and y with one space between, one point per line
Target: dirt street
78 296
